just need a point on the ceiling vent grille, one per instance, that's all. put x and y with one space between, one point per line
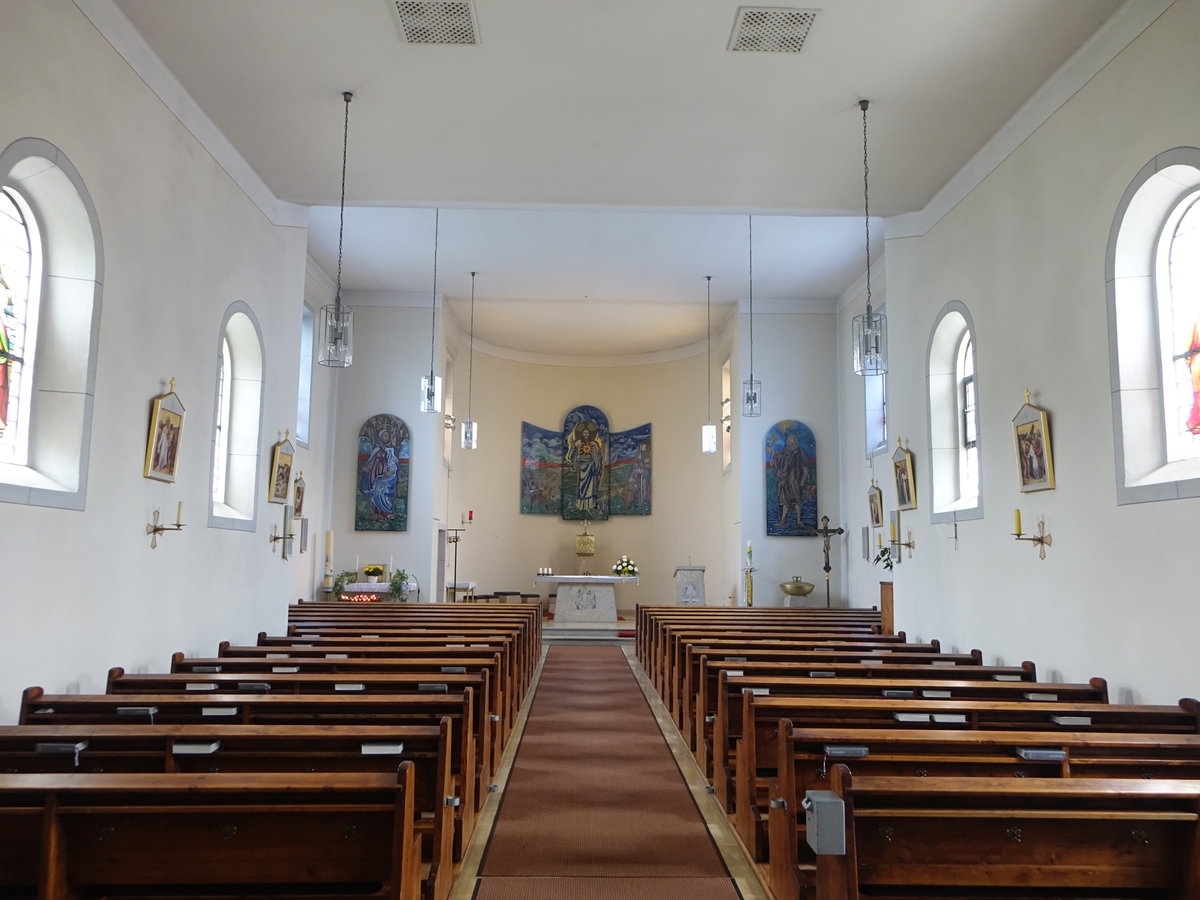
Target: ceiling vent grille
437 23
764 29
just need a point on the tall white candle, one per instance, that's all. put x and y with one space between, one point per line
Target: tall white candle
355 562
329 545
179 513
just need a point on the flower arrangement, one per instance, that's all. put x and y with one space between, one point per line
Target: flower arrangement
376 571
625 567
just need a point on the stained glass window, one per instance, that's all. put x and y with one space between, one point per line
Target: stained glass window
20 277
1179 317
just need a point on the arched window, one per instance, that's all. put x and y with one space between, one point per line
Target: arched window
52 263
955 457
1153 276
237 411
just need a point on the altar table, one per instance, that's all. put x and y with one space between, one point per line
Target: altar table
585 598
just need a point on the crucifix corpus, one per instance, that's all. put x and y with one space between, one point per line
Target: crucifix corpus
826 533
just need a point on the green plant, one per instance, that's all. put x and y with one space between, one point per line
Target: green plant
339 583
398 584
884 556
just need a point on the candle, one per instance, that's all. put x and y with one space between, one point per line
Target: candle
179 513
893 532
879 540
329 545
1017 520
355 562
391 561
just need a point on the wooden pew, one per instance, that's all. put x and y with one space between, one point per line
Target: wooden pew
432 668
39 708
805 757
216 835
93 749
686 689
651 619
710 671
510 674
756 752
1076 837
666 653
726 726
488 746
507 696
506 641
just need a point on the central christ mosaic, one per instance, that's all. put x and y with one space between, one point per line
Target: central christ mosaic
584 470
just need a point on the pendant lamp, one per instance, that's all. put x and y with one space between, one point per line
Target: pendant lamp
337 320
870 328
751 388
431 384
708 431
470 429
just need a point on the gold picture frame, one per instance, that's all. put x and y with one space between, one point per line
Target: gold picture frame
875 505
905 478
165 436
279 486
1031 440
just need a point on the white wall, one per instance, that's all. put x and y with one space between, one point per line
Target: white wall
1025 251
795 359
84 591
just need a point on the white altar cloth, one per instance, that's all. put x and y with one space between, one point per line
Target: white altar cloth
585 598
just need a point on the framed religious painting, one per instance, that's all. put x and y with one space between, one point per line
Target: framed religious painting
1035 461
163 441
298 496
875 505
280 482
905 477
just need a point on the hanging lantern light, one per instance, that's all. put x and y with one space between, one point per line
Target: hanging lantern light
870 328
708 431
337 319
470 428
431 384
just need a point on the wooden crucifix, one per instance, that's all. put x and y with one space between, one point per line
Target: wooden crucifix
826 532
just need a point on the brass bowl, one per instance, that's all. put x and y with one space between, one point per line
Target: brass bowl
796 587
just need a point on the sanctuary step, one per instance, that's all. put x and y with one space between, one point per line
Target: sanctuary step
588 632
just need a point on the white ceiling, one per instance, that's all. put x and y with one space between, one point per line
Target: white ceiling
600 157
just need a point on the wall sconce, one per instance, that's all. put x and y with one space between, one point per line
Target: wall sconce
285 539
1041 539
910 543
154 528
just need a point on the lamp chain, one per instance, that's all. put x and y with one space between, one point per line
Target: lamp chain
433 304
708 408
471 356
751 233
863 104
337 296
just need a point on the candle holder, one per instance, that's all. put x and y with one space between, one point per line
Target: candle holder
286 536
1041 539
910 544
154 528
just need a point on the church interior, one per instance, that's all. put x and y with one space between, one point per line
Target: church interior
598 228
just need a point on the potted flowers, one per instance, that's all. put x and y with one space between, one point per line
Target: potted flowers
625 567
373 573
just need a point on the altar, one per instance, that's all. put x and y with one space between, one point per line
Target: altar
585 598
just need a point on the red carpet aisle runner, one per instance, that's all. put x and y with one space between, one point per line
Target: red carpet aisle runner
595 807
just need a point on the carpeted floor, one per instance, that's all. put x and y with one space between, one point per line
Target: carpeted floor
595 807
